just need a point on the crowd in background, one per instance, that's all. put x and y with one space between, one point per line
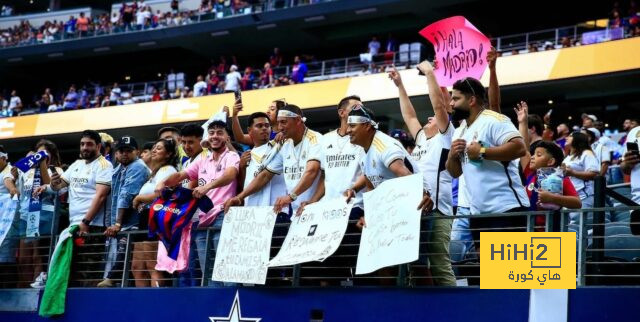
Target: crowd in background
276 160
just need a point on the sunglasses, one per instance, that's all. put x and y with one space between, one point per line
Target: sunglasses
466 80
360 107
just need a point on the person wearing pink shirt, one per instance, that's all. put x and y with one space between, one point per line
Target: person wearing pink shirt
217 179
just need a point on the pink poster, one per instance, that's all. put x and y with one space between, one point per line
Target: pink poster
461 49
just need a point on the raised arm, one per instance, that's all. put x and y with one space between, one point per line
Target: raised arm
236 128
522 111
494 87
406 108
436 97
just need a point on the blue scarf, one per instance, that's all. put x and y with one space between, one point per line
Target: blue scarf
31 161
25 164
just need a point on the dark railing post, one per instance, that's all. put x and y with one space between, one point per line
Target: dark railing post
206 270
582 249
548 222
598 217
296 276
127 262
401 279
597 256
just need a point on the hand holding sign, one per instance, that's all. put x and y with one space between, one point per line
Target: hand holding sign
460 48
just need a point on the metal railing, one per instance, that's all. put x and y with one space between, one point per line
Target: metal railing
608 254
317 71
554 37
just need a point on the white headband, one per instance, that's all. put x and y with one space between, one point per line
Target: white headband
4 155
357 119
287 113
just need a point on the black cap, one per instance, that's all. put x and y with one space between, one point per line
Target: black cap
127 142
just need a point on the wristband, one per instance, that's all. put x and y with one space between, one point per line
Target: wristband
86 221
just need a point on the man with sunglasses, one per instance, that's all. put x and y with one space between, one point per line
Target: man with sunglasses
485 149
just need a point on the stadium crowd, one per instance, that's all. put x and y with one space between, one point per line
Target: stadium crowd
225 74
276 160
133 16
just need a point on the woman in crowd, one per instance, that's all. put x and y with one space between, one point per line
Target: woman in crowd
35 227
582 167
164 161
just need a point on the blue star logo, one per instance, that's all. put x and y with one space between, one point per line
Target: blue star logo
235 315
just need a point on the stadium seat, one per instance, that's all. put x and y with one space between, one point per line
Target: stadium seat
171 82
415 53
403 57
180 80
619 242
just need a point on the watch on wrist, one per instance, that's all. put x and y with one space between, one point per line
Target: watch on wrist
86 221
483 152
293 196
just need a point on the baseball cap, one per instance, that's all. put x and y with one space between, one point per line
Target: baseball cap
591 116
403 137
399 134
127 142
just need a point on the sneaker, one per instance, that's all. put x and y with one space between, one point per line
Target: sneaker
40 281
106 283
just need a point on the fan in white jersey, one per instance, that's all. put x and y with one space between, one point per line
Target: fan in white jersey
433 142
485 150
255 160
89 182
340 161
460 232
385 158
298 160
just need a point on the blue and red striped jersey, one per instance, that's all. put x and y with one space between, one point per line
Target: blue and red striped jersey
171 212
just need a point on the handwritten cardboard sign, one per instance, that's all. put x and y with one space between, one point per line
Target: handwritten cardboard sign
243 251
392 233
461 49
314 235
